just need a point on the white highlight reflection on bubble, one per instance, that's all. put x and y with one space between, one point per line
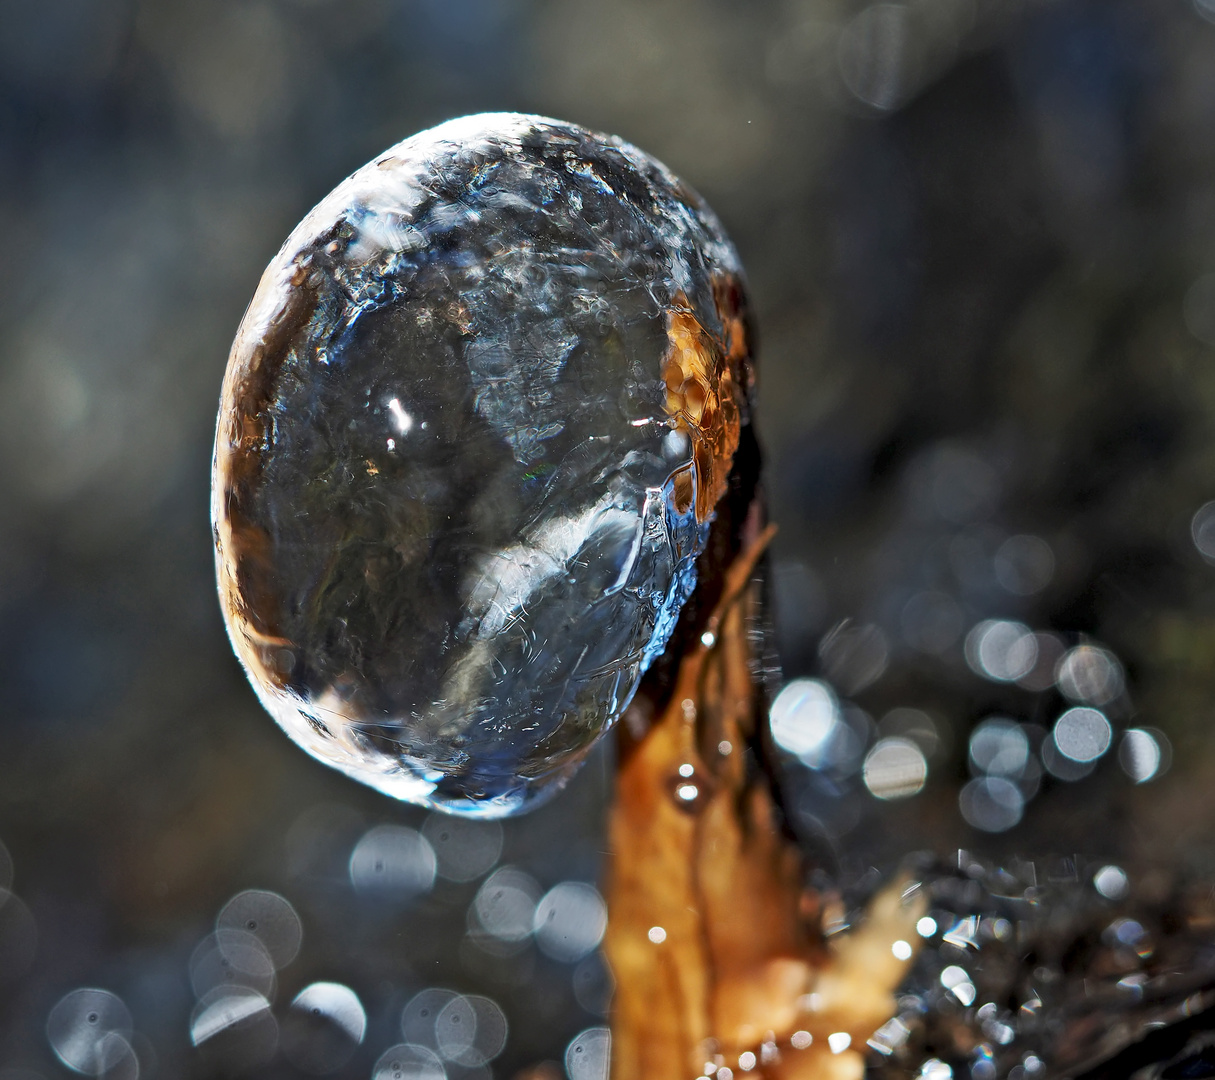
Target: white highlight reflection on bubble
895 769
392 862
400 418
266 915
999 747
464 849
1082 734
81 1029
991 803
803 717
406 1061
505 905
570 921
1090 675
589 1054
1001 650
1144 753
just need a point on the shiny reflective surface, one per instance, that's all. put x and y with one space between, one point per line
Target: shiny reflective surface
472 433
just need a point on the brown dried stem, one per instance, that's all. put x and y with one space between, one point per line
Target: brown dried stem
716 946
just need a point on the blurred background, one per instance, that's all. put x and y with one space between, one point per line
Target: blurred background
980 237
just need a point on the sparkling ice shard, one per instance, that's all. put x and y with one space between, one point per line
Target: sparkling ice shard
473 428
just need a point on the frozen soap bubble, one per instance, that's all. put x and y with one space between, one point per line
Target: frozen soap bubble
472 433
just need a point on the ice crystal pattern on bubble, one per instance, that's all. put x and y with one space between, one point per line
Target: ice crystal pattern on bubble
472 432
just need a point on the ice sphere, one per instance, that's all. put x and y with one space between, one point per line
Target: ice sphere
472 431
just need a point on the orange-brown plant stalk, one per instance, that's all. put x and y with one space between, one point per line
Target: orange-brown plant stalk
717 947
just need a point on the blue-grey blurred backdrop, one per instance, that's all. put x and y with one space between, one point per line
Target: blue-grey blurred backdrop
980 237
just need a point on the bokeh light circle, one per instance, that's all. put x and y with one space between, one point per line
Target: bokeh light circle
895 769
1082 734
991 803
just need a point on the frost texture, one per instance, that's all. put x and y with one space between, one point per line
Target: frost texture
456 511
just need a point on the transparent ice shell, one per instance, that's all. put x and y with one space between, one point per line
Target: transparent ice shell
472 431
